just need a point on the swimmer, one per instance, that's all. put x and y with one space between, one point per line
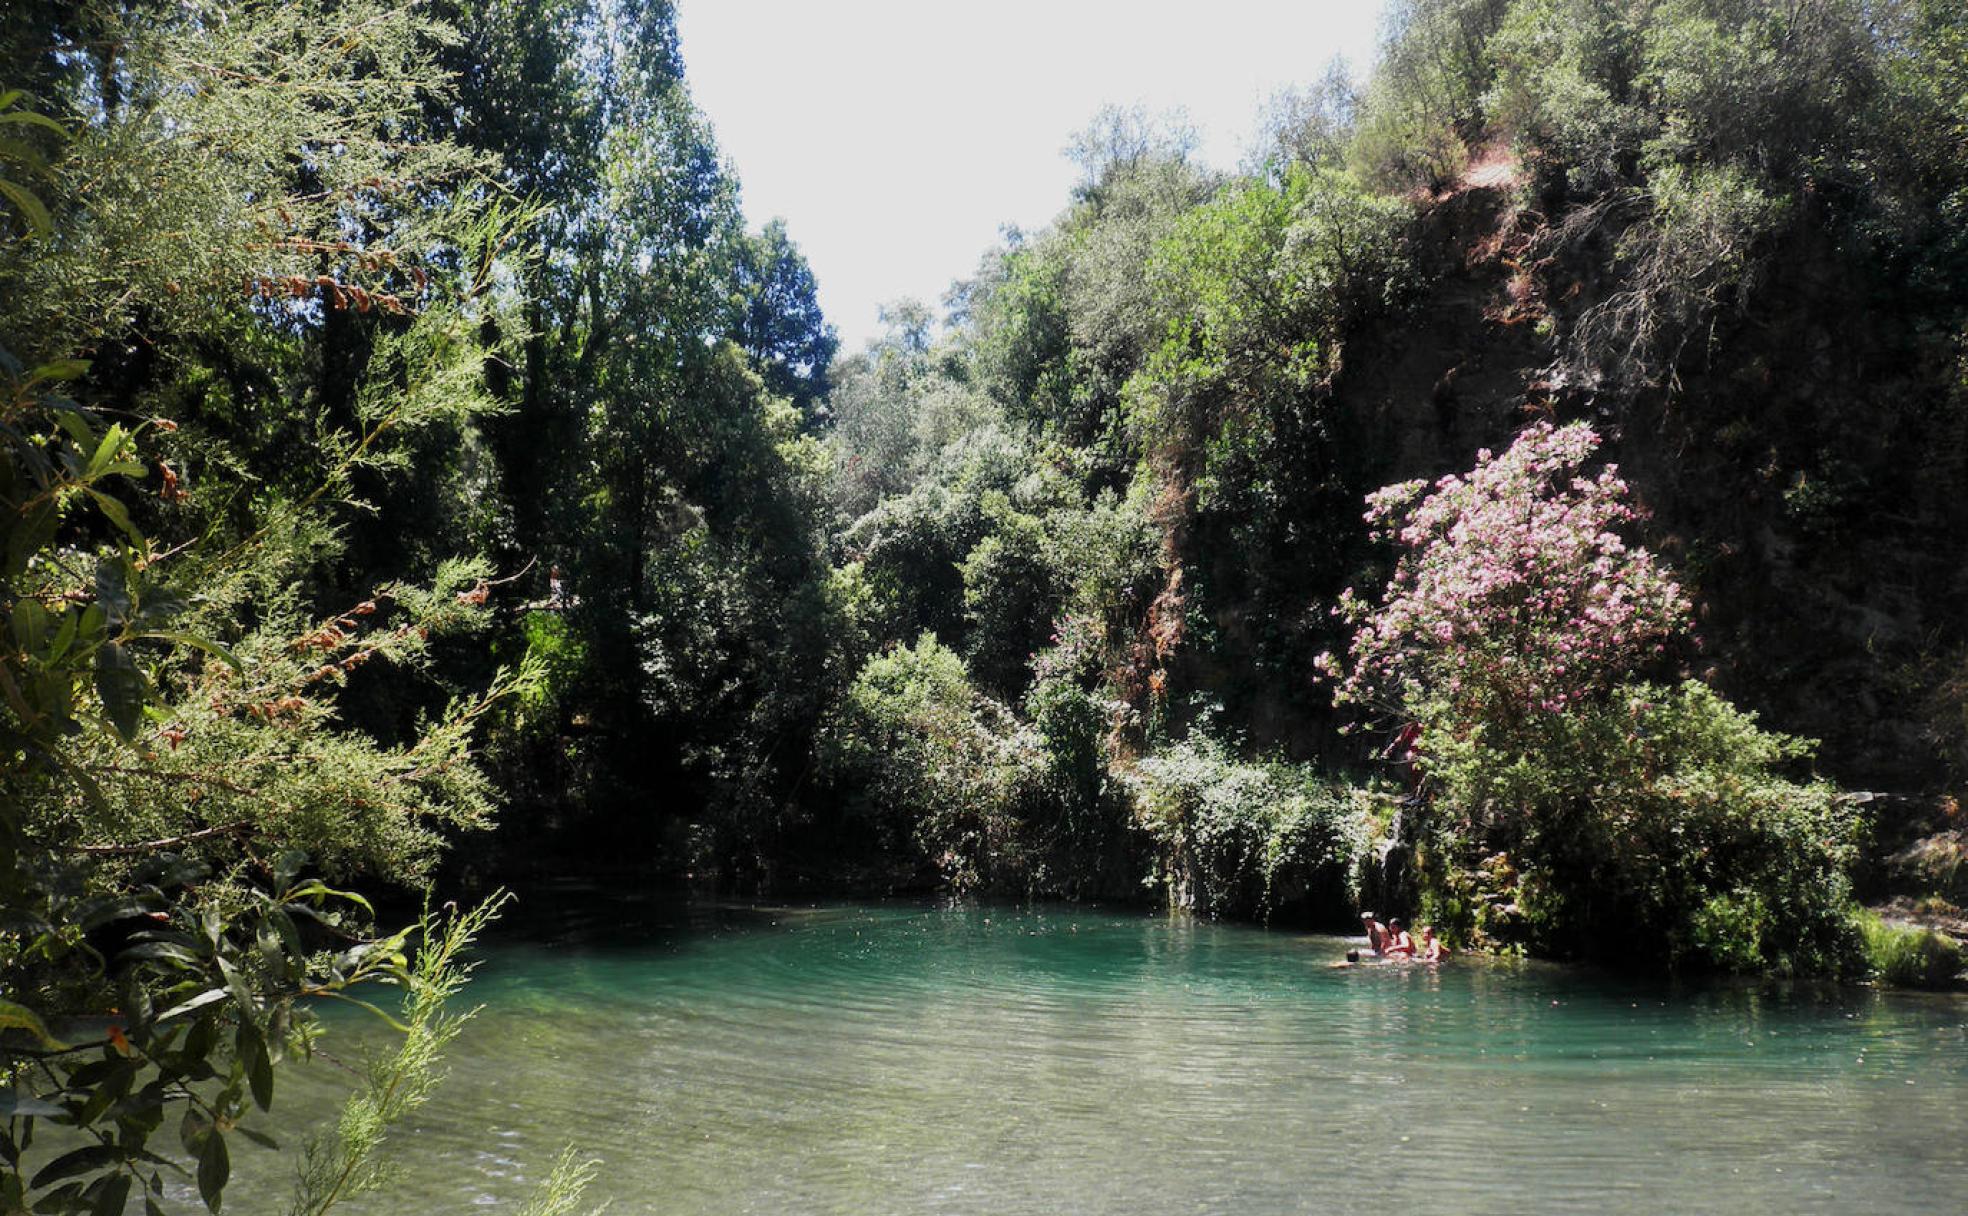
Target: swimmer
1399 944
1352 960
1432 949
1376 933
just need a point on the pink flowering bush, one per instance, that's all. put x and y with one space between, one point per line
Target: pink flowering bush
1570 805
1514 594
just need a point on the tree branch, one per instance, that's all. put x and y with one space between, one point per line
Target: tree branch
157 846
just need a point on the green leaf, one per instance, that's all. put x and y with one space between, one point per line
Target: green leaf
71 421
252 1050
30 534
31 208
113 587
122 688
192 1130
395 1025
20 1017
162 951
108 1091
208 997
106 450
207 645
85 1160
64 634
112 1194
259 1138
286 866
30 625
62 369
118 514
242 994
214 1167
62 1199
99 912
159 604
24 155
317 887
30 118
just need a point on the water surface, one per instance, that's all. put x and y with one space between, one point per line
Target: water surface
905 1058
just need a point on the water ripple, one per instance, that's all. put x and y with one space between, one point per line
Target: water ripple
899 1059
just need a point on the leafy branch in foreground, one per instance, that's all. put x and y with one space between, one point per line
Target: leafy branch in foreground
397 1082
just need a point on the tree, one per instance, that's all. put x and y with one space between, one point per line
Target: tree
176 755
1575 805
1514 594
779 324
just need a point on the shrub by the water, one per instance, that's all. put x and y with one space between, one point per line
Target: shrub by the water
1576 807
1907 956
1245 839
936 769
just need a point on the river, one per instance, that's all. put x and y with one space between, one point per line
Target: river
905 1058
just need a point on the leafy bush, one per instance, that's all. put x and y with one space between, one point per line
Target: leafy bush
1083 831
931 767
1514 595
1238 838
1424 105
1011 592
1563 92
1905 956
1576 807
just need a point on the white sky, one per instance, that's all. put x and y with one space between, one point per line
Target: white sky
896 136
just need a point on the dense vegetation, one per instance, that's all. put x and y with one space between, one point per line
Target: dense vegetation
403 433
1647 317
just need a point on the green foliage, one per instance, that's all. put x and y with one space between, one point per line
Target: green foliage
1906 956
1024 351
1424 105
931 766
1310 126
212 996
1658 826
1244 839
18 152
780 326
399 1081
1565 77
1124 485
1011 595
267 287
1261 289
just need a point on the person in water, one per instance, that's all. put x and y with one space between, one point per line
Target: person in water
1352 960
1399 943
1432 949
1376 933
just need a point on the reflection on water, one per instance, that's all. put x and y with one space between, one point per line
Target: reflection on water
890 1058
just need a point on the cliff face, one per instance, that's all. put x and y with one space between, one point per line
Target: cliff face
1801 452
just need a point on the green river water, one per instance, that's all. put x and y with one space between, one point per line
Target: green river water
899 1058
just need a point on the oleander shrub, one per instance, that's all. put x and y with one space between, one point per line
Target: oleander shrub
1574 805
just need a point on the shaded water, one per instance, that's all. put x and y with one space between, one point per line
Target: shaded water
892 1059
